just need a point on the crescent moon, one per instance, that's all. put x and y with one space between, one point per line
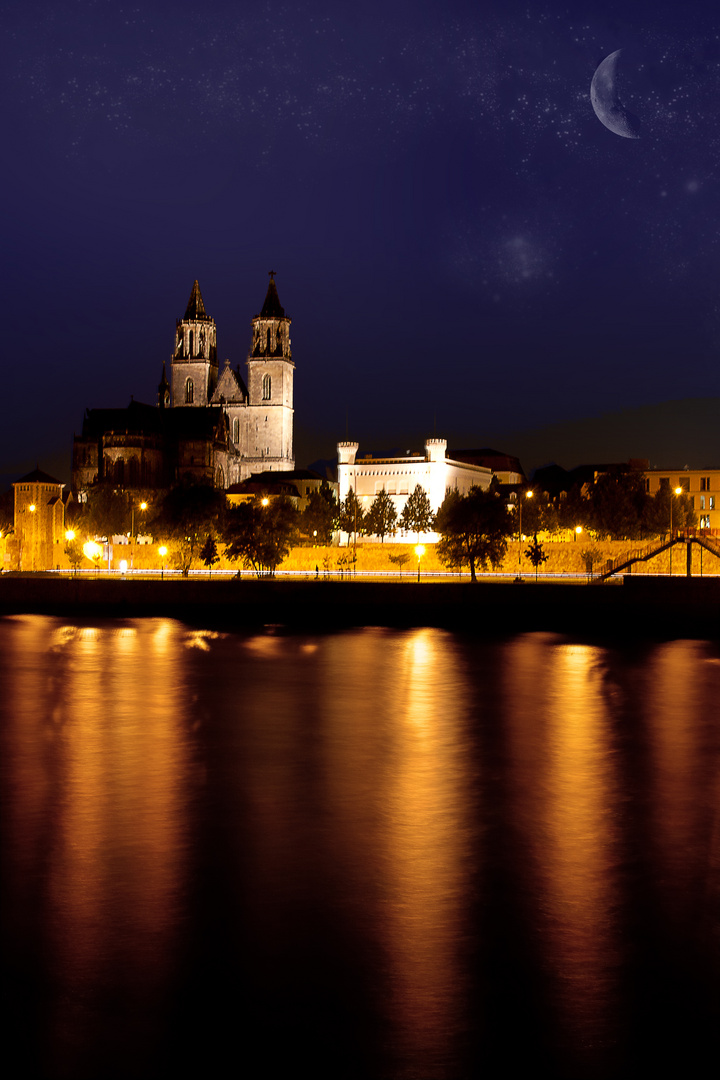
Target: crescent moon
605 101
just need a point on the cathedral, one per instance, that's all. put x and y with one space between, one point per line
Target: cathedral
208 425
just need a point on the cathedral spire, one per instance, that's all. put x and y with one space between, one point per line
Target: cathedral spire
272 308
195 307
163 390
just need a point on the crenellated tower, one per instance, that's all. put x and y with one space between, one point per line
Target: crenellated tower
194 366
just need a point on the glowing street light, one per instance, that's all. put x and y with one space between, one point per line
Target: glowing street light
528 495
265 501
675 491
578 530
142 506
70 535
92 551
419 551
162 552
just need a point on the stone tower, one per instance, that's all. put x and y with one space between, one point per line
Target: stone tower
270 387
194 366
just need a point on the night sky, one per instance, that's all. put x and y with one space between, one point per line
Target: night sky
464 248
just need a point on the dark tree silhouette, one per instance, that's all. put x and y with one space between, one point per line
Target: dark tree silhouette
536 555
417 515
261 535
474 529
381 517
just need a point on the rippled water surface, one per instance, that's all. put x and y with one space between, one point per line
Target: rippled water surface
372 853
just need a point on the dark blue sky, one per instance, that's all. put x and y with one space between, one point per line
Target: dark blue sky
462 245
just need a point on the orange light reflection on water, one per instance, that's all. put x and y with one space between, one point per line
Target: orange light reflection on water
561 745
118 796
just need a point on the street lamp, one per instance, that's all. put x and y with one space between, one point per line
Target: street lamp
143 506
578 530
675 491
419 551
528 495
162 552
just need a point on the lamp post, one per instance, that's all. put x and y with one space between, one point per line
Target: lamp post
578 530
419 551
143 506
675 491
528 495
162 552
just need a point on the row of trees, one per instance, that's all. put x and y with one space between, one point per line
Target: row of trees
381 518
474 529
616 507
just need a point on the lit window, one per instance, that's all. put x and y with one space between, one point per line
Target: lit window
711 502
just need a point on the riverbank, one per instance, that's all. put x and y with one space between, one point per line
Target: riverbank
641 607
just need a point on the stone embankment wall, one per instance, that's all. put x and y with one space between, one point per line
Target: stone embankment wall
396 559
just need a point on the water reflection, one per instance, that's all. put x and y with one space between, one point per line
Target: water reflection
395 853
102 769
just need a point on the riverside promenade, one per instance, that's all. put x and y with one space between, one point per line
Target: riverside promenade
635 607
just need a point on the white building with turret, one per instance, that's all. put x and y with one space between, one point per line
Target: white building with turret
434 471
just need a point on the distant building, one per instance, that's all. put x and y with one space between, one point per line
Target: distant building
208 425
297 484
506 468
434 471
703 487
38 541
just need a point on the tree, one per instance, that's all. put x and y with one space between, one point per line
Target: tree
74 553
209 553
103 513
351 518
535 554
261 535
573 509
187 515
318 518
417 515
658 510
617 503
381 517
474 528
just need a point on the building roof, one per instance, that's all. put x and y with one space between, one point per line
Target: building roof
272 308
140 419
196 308
37 476
489 458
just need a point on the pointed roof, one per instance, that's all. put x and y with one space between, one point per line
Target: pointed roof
272 308
37 476
196 307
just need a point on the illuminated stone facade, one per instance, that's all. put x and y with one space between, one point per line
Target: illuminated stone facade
38 540
207 426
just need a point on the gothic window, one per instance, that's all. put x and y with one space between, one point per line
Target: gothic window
266 386
236 430
268 346
189 392
201 346
190 352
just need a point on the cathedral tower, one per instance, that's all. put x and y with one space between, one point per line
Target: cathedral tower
270 387
194 368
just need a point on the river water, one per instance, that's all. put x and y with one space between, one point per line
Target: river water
372 853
